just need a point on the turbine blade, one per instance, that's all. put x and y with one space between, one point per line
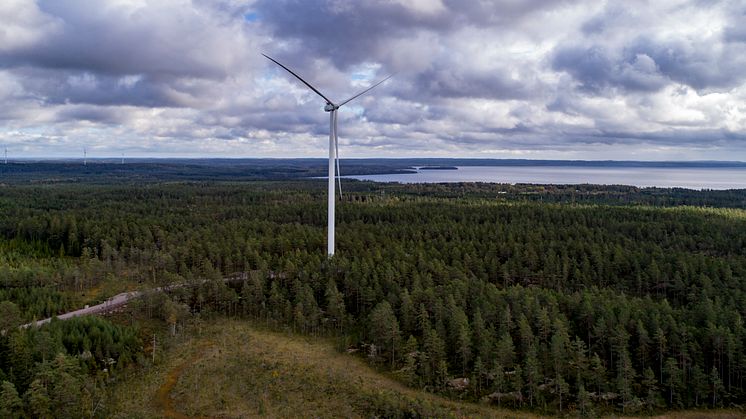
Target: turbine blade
366 90
336 154
299 78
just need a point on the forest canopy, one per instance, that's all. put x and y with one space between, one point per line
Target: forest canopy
551 298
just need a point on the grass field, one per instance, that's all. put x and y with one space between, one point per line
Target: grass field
231 369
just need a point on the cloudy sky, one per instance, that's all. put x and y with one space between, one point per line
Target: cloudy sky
632 80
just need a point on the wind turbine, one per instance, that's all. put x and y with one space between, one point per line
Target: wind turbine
332 108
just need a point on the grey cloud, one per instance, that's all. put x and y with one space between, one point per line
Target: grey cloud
735 30
347 33
105 115
60 87
653 58
472 75
500 11
388 111
461 81
677 137
648 65
696 64
541 140
352 33
157 40
735 33
596 69
157 54
610 18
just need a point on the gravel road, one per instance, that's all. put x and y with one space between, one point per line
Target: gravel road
111 304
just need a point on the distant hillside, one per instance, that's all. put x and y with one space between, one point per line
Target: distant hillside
157 170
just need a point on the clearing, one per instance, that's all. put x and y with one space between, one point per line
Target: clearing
232 369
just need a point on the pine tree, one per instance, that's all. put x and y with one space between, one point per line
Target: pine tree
533 374
38 400
441 372
699 385
650 387
716 387
563 388
559 345
660 340
411 355
498 380
578 360
483 337
477 376
517 383
407 313
462 341
10 316
335 305
423 320
674 381
506 321
64 385
45 345
598 372
585 403
384 328
252 294
11 405
505 351
643 343
277 303
21 360
527 335
434 352
624 368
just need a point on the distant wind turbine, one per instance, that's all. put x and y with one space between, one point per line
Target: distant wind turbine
332 108
85 157
6 155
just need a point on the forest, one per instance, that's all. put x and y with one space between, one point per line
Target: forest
579 300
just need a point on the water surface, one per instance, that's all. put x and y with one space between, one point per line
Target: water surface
663 177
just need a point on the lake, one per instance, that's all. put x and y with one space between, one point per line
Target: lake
663 177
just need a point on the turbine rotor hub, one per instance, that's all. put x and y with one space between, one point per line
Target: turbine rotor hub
329 107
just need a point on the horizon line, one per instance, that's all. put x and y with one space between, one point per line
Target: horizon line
119 158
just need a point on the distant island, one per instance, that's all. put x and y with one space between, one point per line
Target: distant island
438 168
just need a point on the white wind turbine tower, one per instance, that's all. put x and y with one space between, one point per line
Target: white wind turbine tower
85 157
332 108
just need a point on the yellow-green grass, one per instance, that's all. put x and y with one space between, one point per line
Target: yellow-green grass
233 369
694 414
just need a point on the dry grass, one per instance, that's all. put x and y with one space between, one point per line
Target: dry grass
250 372
234 370
691 414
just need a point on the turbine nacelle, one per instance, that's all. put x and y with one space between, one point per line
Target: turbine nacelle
330 107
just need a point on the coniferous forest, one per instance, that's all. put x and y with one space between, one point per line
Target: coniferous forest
579 300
